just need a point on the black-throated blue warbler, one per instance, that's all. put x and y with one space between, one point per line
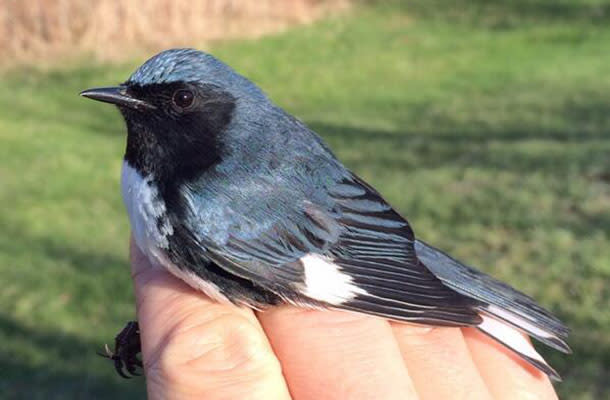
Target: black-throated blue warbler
242 201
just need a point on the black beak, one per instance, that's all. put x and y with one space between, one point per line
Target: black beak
116 95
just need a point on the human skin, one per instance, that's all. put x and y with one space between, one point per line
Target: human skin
195 348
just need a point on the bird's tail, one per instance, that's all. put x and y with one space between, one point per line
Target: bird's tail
510 334
506 312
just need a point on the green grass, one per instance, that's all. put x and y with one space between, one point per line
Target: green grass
488 126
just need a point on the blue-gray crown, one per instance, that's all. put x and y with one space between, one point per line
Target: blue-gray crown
190 65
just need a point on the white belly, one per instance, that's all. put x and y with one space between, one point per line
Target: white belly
151 228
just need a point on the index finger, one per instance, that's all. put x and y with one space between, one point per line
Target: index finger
506 375
337 355
440 363
193 347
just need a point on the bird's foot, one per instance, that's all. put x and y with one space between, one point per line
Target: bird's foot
126 348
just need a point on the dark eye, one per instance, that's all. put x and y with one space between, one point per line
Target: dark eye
183 98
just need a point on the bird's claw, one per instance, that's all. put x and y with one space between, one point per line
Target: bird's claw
126 348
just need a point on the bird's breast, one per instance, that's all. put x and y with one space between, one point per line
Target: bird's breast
152 229
146 209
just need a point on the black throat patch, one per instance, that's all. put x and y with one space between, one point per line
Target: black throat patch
175 144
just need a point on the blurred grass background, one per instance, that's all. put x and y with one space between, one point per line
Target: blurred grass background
487 125
46 29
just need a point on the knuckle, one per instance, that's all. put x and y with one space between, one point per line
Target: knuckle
236 343
429 341
225 344
331 319
421 332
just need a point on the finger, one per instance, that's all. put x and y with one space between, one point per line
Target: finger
195 348
439 362
506 375
337 355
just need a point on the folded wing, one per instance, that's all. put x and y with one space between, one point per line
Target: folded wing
353 251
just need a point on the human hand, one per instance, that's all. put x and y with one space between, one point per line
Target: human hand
194 348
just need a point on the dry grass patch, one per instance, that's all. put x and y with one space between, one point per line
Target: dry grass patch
110 29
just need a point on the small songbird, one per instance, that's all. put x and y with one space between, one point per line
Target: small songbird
242 201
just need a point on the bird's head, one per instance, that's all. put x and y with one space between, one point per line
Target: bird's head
178 107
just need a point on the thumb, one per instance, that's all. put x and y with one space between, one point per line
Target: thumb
195 348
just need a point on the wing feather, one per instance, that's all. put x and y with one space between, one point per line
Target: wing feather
363 243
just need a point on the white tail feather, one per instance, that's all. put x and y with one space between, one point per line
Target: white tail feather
510 337
526 325
519 321
516 340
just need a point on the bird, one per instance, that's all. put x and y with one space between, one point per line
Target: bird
242 201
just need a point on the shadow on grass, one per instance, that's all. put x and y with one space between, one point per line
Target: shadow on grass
507 13
78 255
581 158
36 360
412 150
38 364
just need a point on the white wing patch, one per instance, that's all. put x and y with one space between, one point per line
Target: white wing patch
144 207
325 282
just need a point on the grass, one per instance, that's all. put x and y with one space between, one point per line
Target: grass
486 125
